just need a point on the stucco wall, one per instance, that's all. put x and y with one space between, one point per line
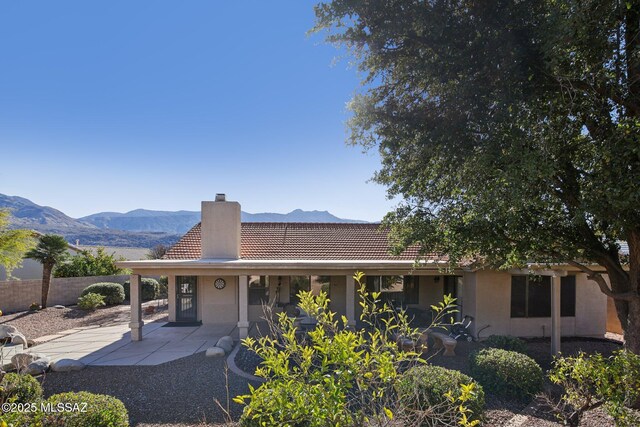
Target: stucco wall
217 305
493 307
17 295
337 295
30 270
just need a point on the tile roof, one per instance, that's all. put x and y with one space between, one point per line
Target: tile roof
302 241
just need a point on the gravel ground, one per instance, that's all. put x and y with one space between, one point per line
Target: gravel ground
174 393
35 324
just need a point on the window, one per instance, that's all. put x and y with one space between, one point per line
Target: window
397 290
531 296
258 290
315 284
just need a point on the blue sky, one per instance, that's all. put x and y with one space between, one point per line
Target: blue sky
118 105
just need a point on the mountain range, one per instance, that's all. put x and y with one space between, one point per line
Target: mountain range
137 228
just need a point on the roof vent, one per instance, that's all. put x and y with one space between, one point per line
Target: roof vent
221 197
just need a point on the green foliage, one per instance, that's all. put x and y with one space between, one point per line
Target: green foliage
50 250
101 411
89 264
506 373
163 287
590 381
509 130
91 301
113 293
506 342
428 389
13 243
19 388
34 306
150 289
333 374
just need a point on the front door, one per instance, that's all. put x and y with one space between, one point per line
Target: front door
186 298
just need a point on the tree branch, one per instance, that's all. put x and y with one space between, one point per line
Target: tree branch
602 284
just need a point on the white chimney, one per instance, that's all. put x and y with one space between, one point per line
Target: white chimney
220 229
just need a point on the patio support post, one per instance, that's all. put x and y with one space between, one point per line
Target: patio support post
351 301
243 306
171 296
555 314
136 308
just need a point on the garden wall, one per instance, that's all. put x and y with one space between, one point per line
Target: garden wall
17 295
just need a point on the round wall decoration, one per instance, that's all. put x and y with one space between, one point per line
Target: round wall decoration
220 283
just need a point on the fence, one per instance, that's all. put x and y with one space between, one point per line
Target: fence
17 295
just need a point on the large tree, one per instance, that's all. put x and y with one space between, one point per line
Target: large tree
13 243
510 130
50 250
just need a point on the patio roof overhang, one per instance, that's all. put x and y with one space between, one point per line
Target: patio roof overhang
282 267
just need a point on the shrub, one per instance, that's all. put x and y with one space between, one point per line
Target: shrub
89 264
19 388
113 293
506 342
506 373
150 289
589 381
425 389
99 411
334 374
163 289
34 306
91 301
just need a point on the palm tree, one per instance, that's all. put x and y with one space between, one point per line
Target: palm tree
50 250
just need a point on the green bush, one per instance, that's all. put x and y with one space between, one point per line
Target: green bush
424 389
506 373
113 293
506 342
150 289
163 289
34 306
19 388
91 301
87 263
87 409
588 381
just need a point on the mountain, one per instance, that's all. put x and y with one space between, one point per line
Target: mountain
140 228
181 221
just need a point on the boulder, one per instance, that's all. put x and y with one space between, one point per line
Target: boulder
215 352
22 360
58 306
38 366
18 338
225 343
7 330
67 365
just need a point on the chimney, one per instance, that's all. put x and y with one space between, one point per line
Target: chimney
220 229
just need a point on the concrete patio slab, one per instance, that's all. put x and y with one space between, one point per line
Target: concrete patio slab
112 345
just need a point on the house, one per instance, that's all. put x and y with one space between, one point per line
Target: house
222 270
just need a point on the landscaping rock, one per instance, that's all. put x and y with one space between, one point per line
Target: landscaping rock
215 352
225 343
18 338
58 306
22 360
67 365
38 366
7 330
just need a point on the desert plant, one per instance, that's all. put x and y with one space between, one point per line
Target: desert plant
34 306
432 393
89 409
19 388
591 381
506 342
50 251
91 301
113 293
334 374
506 373
150 288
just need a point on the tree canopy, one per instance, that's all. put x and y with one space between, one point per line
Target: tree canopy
88 263
13 243
510 130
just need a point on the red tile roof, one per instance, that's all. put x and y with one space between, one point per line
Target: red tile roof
302 241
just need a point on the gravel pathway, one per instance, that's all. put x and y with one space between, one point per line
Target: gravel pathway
174 393
35 324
